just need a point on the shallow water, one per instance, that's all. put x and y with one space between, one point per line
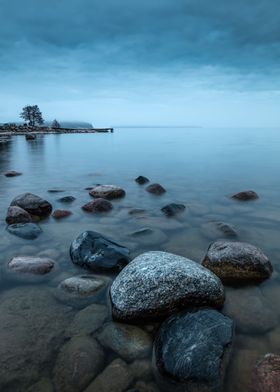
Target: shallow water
200 168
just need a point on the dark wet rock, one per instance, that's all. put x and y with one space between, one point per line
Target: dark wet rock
33 204
31 265
173 209
127 341
94 251
266 374
142 369
147 236
31 329
43 385
237 261
17 215
157 284
245 196
137 211
87 321
59 214
30 136
141 180
115 377
27 231
107 192
192 350
215 230
79 361
250 310
56 190
13 173
98 205
155 189
81 290
67 199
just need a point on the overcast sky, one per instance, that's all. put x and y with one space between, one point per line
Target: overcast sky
123 62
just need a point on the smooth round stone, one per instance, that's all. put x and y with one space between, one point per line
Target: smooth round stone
141 180
155 189
237 261
94 251
245 196
27 231
33 204
12 173
60 214
266 374
127 341
81 290
79 361
107 192
98 205
173 209
157 284
191 350
17 215
31 265
67 199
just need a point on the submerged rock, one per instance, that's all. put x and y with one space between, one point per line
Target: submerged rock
115 377
156 189
214 230
107 192
127 341
173 209
94 251
67 199
157 284
191 350
59 214
29 268
266 374
79 361
245 196
33 204
98 205
237 261
147 236
80 290
27 231
141 180
56 190
17 215
136 211
12 173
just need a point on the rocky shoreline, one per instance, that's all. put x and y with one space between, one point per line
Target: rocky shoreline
45 131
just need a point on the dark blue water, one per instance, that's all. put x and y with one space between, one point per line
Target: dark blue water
200 168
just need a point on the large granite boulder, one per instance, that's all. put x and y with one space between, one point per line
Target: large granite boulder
107 192
17 215
157 284
98 253
33 204
237 261
191 351
245 196
266 374
27 231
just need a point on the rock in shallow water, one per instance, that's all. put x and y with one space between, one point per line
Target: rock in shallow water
17 215
237 261
94 251
245 196
107 192
27 231
127 341
98 205
141 180
33 204
216 230
155 189
266 374
191 351
13 173
67 199
60 214
157 284
29 268
173 209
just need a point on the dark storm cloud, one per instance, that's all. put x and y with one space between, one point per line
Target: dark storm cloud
90 34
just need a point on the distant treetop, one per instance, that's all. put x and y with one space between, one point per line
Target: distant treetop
56 124
32 115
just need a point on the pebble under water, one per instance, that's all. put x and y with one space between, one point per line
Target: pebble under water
52 341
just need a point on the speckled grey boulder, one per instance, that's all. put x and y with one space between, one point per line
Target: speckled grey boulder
157 284
107 192
237 261
33 204
192 350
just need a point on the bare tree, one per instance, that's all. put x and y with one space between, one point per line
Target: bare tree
56 124
33 115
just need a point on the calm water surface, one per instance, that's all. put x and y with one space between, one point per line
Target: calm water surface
200 168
